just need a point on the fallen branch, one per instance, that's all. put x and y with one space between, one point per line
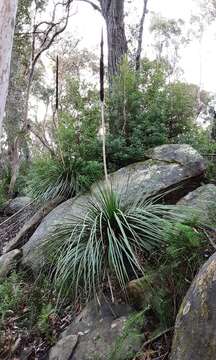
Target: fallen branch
18 212
150 341
210 239
35 220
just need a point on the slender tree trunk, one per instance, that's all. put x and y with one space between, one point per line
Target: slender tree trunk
20 139
113 13
140 35
8 11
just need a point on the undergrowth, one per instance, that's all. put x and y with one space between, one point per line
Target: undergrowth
130 339
169 273
27 310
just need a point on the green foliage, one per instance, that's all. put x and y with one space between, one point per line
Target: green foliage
145 111
174 269
4 183
50 178
180 108
43 322
135 119
2 194
29 303
11 293
77 133
105 239
200 140
77 161
182 239
130 336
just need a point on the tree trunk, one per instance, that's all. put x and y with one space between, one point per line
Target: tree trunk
8 11
140 35
113 13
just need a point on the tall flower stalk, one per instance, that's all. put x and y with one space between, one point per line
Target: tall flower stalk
102 106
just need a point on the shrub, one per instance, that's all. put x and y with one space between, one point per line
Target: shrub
4 183
130 337
43 322
173 270
10 295
106 240
136 117
200 140
146 111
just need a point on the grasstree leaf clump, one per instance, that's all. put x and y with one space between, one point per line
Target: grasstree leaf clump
106 241
49 178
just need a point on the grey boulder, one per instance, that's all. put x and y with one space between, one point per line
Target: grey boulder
195 330
8 262
16 204
172 166
203 200
98 329
64 348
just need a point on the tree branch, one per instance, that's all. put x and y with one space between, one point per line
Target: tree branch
42 140
95 7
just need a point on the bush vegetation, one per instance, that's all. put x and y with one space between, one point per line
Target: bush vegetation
114 238
170 272
27 308
142 111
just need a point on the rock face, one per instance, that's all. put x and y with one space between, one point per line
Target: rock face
177 153
8 262
98 330
195 330
202 199
16 204
167 167
64 348
33 247
140 291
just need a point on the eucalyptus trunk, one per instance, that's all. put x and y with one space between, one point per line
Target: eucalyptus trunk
113 13
8 11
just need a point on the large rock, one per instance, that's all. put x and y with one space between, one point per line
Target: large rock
98 330
203 201
64 348
17 204
177 153
8 262
170 166
140 290
195 329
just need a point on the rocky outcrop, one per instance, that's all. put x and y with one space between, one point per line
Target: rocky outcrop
8 262
94 333
170 166
203 201
177 153
17 204
195 330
